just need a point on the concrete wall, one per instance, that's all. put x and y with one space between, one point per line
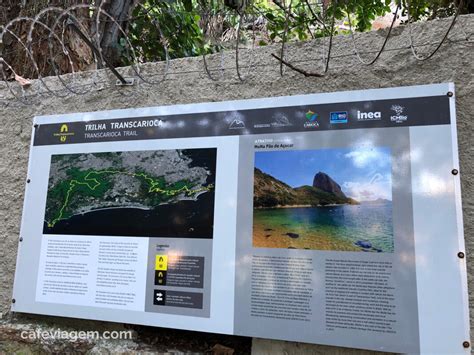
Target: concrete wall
188 83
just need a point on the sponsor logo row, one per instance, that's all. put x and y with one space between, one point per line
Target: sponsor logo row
311 121
339 117
362 116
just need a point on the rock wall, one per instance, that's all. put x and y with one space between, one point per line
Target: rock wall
187 83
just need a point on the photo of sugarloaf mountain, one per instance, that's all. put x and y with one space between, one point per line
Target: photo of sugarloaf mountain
327 199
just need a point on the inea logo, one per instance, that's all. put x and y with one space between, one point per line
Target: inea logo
312 120
63 133
398 117
369 116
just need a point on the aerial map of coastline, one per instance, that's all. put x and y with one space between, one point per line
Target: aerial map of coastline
159 193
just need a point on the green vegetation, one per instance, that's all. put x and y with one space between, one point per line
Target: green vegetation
95 183
313 196
157 29
271 192
196 27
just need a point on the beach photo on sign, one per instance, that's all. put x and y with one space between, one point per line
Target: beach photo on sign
327 199
155 193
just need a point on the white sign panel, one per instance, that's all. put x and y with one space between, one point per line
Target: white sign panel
328 218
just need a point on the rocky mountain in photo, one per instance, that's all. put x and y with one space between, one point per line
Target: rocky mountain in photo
324 182
271 192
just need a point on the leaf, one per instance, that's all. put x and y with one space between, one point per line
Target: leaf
22 81
270 16
188 5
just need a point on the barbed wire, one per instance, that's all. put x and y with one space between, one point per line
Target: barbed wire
105 84
354 45
415 54
57 36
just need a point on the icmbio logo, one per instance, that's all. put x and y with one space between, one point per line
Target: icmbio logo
398 117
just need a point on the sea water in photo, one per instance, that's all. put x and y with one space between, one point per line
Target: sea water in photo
324 199
364 227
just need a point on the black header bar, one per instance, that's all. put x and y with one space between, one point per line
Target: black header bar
419 111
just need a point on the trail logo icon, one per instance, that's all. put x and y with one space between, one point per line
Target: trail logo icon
63 133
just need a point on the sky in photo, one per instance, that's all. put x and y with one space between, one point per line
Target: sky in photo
363 174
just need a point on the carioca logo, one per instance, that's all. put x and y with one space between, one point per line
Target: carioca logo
311 116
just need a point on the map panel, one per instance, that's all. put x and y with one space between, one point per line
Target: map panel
161 193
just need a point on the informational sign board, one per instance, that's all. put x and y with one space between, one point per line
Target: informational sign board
328 218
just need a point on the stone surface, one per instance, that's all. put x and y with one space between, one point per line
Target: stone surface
364 244
272 347
187 82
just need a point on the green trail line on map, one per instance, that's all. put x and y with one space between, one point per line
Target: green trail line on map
92 183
